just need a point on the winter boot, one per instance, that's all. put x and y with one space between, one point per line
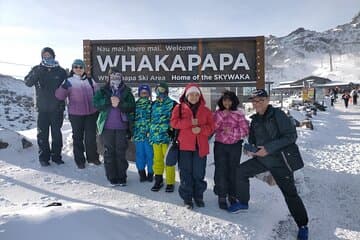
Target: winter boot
96 161
222 203
150 177
81 165
44 163
189 204
232 199
238 207
169 188
199 202
159 182
122 182
58 161
142 175
303 233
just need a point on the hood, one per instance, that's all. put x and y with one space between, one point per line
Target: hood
182 97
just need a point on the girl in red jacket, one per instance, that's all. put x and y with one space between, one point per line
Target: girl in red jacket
196 125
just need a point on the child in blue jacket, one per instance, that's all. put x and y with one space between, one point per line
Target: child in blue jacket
144 150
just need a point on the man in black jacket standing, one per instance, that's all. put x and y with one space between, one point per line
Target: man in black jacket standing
270 131
47 77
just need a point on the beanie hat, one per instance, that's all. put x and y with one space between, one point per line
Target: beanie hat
192 89
115 74
144 87
164 85
48 50
78 62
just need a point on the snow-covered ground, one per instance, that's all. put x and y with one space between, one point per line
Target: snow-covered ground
92 210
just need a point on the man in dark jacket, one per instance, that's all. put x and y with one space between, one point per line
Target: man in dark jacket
270 131
47 77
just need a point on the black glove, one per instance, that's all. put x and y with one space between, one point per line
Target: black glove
171 133
66 84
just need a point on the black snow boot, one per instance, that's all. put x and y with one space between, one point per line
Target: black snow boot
199 202
169 188
189 204
159 182
222 203
142 175
150 177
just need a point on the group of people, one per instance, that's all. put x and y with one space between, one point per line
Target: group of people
112 112
346 96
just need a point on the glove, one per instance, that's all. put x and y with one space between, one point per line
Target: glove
66 84
171 134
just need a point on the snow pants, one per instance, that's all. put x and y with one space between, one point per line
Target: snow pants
355 99
159 163
192 173
54 121
227 159
285 181
115 145
144 156
84 128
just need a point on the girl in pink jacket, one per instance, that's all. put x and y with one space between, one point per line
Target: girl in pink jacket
231 127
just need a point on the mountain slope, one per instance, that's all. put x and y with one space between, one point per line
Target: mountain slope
304 52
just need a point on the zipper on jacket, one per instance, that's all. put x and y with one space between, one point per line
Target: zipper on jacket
286 161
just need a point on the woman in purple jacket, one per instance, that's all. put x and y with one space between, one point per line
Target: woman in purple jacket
79 89
231 128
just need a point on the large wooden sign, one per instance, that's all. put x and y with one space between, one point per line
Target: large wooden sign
208 61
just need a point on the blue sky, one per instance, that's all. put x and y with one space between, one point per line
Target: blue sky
28 26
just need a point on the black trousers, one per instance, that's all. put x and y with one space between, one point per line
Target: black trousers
115 145
192 173
227 159
54 121
84 128
285 181
355 100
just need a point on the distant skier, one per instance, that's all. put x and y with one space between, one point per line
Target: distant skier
47 77
346 97
354 95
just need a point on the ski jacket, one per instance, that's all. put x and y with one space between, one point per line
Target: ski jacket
160 120
80 94
102 102
273 130
188 141
142 119
230 127
46 80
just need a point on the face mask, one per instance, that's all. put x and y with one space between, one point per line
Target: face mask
115 83
161 94
49 60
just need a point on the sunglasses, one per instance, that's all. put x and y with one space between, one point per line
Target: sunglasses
78 67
